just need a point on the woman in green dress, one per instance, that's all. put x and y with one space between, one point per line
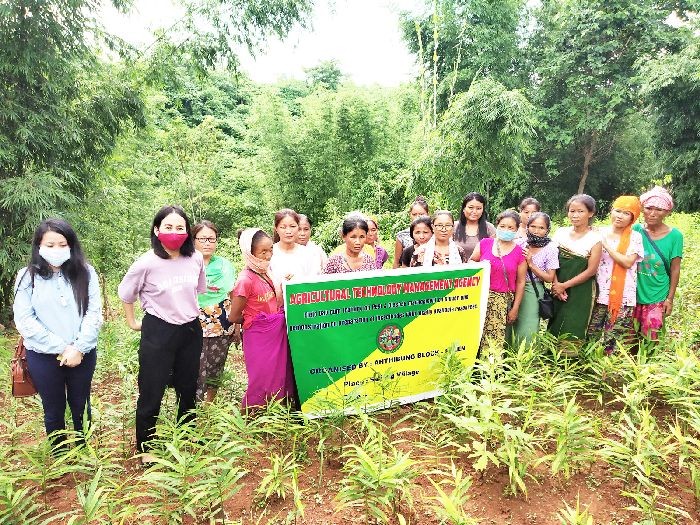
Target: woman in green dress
574 286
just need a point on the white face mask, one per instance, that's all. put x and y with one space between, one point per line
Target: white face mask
55 256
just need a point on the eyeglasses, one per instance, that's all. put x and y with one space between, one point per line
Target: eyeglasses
442 227
210 240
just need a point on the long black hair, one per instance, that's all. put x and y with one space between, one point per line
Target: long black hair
461 228
284 212
187 249
75 269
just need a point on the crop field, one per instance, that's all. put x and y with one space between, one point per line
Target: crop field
528 436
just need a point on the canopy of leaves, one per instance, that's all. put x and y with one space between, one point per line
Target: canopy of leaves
62 111
672 89
481 144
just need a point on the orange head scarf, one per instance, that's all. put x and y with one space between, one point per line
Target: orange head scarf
631 204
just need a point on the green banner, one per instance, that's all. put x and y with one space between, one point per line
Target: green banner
365 340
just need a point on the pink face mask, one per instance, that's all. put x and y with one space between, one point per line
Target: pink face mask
172 241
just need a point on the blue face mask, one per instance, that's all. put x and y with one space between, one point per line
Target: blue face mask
505 235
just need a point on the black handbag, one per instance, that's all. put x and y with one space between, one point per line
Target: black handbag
546 302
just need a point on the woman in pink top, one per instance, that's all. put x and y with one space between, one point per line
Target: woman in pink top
166 280
508 271
258 298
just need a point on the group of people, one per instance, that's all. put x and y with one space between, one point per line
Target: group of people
614 283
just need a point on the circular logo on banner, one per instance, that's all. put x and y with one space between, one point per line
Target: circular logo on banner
390 338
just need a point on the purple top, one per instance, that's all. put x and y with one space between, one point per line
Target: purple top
511 262
166 288
545 259
381 256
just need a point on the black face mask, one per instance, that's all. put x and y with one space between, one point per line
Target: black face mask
536 241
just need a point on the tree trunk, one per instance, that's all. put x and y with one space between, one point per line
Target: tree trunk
587 159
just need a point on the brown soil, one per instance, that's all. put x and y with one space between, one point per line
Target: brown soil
489 502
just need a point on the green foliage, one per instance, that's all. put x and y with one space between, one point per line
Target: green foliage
378 479
574 515
475 38
17 505
481 144
345 145
62 111
278 480
671 87
584 56
326 74
575 437
450 505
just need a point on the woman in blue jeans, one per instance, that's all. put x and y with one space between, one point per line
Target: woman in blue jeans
58 311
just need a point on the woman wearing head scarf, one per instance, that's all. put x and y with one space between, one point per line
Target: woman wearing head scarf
612 319
660 269
257 298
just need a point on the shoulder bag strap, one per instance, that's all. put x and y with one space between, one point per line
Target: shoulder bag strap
534 284
20 349
667 265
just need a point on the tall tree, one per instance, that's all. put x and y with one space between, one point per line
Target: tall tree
585 54
60 114
672 89
326 74
458 41
481 144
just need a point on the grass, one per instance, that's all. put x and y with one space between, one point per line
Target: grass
530 417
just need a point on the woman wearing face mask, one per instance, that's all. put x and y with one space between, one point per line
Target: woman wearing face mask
304 238
574 286
421 232
542 258
660 270
508 269
440 248
612 318
58 311
290 260
257 298
166 280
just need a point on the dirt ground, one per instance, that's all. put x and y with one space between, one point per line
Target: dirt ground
489 502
